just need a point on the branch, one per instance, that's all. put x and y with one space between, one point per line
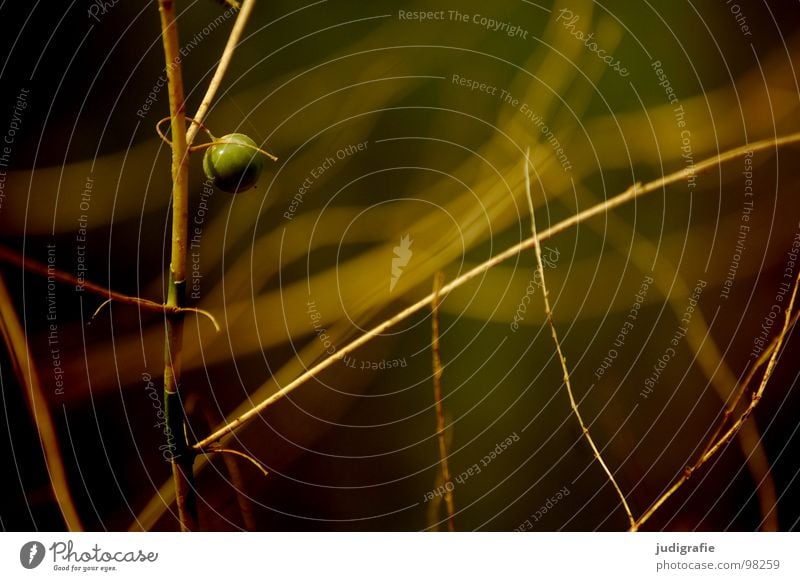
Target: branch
222 67
633 192
718 441
10 257
549 317
744 385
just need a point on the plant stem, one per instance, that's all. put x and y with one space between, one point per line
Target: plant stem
437 396
718 441
8 256
183 462
548 312
224 61
183 457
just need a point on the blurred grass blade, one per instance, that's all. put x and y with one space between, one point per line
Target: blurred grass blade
14 338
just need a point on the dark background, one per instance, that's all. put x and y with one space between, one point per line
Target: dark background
357 450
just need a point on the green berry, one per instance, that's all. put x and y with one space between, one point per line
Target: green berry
233 163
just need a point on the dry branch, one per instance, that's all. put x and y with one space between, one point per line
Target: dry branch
8 256
548 313
718 441
437 396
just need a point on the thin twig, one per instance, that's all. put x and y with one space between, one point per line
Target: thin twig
14 337
196 404
168 141
247 457
183 458
722 440
221 141
631 193
170 310
730 409
437 396
224 61
548 312
230 3
8 256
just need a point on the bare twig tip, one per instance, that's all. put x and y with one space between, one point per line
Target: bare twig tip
204 313
100 308
244 455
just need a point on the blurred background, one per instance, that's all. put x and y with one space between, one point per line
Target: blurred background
400 142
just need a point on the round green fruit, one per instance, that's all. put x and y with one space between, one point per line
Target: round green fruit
233 163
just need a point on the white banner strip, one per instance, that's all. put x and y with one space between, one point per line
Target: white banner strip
401 556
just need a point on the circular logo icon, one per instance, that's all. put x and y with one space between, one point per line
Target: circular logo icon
31 554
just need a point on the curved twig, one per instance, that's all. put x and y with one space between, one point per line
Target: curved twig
169 309
244 455
8 256
438 281
168 141
221 141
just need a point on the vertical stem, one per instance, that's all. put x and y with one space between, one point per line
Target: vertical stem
183 458
438 281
